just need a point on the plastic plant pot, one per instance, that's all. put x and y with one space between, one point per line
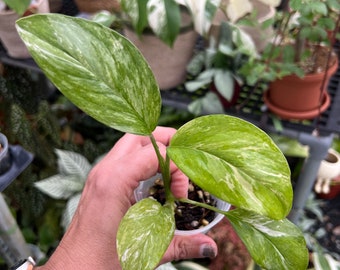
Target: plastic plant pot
142 192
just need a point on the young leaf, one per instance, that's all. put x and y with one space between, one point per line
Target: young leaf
99 70
233 160
270 242
147 226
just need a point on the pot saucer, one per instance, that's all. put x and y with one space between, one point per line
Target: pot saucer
21 159
297 115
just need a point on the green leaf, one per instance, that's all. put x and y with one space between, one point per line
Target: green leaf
99 70
19 6
236 162
273 244
164 19
144 234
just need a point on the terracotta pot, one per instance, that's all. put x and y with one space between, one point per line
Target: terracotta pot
92 6
167 64
8 34
293 97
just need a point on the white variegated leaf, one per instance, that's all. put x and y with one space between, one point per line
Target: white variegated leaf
146 226
224 82
70 209
60 186
236 9
73 163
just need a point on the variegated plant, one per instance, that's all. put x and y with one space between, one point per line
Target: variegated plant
103 74
164 19
68 183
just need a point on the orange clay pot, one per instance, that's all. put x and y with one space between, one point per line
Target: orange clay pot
299 98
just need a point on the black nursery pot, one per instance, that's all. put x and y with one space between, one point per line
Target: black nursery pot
5 157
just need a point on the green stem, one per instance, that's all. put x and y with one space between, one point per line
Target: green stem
207 206
164 165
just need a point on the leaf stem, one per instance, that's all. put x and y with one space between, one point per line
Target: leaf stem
213 208
164 165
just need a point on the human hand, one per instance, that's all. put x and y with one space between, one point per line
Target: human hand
90 241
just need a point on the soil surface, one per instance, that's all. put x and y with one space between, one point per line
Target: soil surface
187 216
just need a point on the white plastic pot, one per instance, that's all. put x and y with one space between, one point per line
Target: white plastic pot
142 192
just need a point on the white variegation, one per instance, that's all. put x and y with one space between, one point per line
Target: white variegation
73 163
145 224
271 240
157 16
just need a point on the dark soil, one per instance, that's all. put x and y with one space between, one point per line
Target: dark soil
187 216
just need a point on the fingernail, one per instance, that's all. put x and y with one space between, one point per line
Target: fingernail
208 251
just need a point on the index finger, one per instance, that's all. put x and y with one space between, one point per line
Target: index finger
130 142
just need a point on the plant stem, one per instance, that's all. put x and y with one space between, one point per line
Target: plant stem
164 165
207 206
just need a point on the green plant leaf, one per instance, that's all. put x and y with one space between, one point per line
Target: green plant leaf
19 6
99 70
273 244
236 162
147 226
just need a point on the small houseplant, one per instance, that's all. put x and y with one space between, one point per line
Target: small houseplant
107 77
218 67
302 52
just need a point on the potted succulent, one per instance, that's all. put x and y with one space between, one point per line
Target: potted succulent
10 11
226 156
302 52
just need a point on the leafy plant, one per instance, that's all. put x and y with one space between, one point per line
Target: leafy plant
220 64
68 183
163 17
103 74
305 34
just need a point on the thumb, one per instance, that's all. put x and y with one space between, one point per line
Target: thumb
189 247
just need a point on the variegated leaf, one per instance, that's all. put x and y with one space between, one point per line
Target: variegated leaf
70 209
236 162
72 163
97 69
273 244
60 186
147 226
